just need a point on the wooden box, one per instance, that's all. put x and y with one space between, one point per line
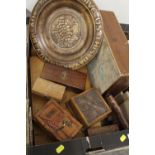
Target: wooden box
57 121
64 76
48 89
103 130
90 107
109 70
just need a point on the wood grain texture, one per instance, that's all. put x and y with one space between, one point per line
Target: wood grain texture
90 107
41 137
64 76
36 66
37 103
69 93
102 130
119 113
109 70
125 108
48 89
117 41
88 84
57 121
96 125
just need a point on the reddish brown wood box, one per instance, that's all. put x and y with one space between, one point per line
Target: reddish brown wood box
64 76
57 121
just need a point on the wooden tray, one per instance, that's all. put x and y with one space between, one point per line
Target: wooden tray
66 32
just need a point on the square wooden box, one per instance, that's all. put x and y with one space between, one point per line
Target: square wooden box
90 107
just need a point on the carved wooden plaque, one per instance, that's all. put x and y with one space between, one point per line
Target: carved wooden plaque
66 32
90 107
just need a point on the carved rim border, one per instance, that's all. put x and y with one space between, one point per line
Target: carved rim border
98 35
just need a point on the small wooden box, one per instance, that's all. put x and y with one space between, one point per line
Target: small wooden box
103 130
58 121
64 76
48 89
109 70
90 107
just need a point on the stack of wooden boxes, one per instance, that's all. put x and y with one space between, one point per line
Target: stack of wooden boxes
93 100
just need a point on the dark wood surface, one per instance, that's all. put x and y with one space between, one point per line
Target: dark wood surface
57 121
119 113
64 76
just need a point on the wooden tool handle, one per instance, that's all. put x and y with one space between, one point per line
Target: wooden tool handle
114 105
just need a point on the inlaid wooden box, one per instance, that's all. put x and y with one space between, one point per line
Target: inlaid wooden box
109 70
57 121
90 107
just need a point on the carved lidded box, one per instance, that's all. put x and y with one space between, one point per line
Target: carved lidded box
90 107
66 32
57 121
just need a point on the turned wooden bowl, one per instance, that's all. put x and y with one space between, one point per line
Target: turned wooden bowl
68 33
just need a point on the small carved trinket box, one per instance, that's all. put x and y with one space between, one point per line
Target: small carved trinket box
58 121
68 77
90 107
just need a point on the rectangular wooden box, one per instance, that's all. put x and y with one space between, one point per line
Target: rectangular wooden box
64 76
109 70
90 107
103 130
58 121
48 89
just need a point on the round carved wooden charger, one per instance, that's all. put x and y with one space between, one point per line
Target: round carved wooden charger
66 32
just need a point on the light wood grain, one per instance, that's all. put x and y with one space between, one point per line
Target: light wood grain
36 66
48 89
